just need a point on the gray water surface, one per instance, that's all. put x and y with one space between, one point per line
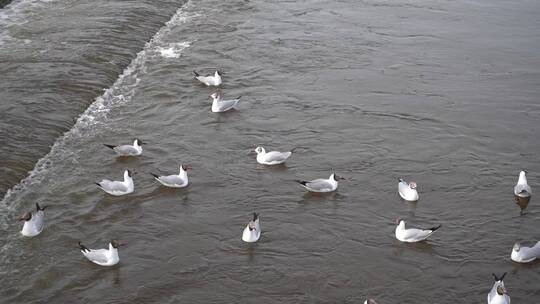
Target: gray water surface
441 92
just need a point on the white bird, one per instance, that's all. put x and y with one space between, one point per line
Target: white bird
522 189
118 188
103 257
33 223
219 105
128 150
407 191
322 185
179 180
272 157
209 80
412 235
370 301
498 294
522 254
252 232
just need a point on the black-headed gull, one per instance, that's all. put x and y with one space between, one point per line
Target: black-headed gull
103 257
209 80
179 180
252 232
523 254
272 157
128 150
412 235
522 191
33 222
118 188
407 191
498 294
370 301
322 185
219 105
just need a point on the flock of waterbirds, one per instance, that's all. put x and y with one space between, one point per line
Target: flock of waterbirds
34 221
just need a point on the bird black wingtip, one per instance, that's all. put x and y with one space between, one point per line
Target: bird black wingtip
498 278
196 74
154 175
109 146
301 182
82 247
436 227
39 208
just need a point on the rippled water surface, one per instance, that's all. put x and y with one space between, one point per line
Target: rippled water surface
441 92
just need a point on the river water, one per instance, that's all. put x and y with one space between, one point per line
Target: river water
441 92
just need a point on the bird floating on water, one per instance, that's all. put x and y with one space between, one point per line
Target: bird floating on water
322 185
412 235
103 257
522 191
209 80
407 191
523 254
179 180
272 157
252 232
370 301
128 150
219 105
498 293
33 222
118 188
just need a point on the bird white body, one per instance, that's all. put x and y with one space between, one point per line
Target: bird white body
495 298
179 180
412 235
321 185
522 254
102 257
407 192
210 80
118 188
128 150
272 157
219 105
252 235
35 224
522 189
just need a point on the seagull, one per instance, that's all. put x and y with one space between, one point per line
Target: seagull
407 191
412 235
33 223
522 254
370 301
252 232
128 150
522 191
219 105
498 294
103 257
272 157
118 188
321 184
209 80
179 180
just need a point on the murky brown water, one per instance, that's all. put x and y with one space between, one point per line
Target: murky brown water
442 92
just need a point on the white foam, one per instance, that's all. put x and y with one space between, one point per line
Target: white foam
173 50
121 92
